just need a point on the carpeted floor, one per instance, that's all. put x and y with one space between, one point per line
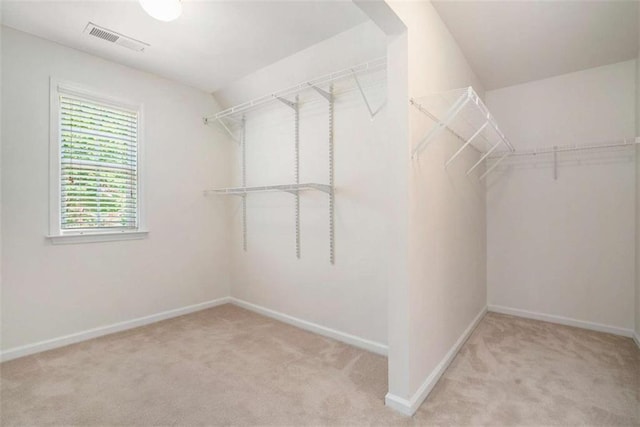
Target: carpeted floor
228 366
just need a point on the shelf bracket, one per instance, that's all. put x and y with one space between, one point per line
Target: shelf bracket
493 166
372 113
466 144
491 150
458 106
326 95
226 128
292 105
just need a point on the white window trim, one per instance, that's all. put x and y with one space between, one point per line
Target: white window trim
56 234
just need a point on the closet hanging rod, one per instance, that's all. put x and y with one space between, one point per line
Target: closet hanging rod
626 142
374 65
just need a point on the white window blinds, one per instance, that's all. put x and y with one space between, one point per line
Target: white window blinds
99 158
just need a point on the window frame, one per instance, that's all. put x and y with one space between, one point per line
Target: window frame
56 234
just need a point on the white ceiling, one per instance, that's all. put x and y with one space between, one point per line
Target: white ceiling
212 44
511 42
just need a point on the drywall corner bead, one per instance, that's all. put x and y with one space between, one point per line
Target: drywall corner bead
409 407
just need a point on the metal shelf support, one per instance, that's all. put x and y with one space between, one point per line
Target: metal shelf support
295 188
458 106
494 165
372 113
467 118
367 67
329 96
243 143
332 198
296 171
484 156
466 144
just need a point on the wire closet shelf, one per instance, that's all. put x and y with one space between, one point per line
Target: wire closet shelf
619 144
287 188
462 114
374 65
234 119
556 150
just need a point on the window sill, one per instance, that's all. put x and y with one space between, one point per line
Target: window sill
91 237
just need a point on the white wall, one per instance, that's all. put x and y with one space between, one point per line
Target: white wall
446 289
637 325
350 296
357 45
0 181
565 247
49 291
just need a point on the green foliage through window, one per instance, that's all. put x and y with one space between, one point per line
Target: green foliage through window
99 166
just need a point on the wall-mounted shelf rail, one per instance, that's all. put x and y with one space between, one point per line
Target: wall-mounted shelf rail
462 113
323 81
631 142
287 188
559 149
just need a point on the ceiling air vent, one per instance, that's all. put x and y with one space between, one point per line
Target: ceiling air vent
113 37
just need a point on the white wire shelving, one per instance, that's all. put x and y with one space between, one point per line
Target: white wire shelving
625 142
462 113
557 150
287 188
233 121
323 81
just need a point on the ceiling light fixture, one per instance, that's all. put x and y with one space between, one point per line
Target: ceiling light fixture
162 10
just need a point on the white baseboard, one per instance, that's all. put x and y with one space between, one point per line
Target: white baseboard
365 344
410 406
615 330
25 350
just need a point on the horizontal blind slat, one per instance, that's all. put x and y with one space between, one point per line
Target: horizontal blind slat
69 147
73 186
126 138
96 109
96 122
70 136
69 111
93 215
72 124
105 191
85 155
97 144
98 166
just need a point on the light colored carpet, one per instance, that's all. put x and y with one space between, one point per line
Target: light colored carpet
228 366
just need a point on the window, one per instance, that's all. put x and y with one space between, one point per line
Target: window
95 178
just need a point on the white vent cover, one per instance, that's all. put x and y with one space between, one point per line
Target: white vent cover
113 37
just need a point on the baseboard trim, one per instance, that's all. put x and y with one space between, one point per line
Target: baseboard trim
410 406
26 350
365 344
567 321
